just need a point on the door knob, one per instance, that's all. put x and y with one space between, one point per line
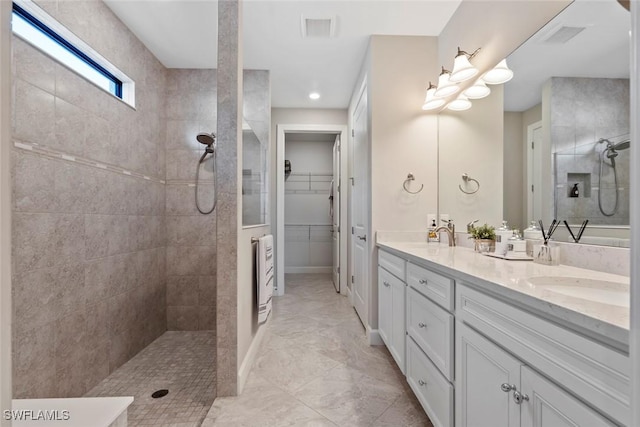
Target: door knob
520 397
422 325
506 387
386 284
422 281
363 238
422 383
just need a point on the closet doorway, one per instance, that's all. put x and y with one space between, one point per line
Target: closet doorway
310 203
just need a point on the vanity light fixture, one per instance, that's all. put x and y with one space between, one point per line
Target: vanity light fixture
430 101
314 95
501 73
462 68
461 103
478 90
445 86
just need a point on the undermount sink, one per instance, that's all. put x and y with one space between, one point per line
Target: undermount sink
602 291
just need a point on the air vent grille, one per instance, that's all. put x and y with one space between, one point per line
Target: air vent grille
318 27
562 35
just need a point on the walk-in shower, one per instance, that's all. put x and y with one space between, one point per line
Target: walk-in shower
209 140
610 153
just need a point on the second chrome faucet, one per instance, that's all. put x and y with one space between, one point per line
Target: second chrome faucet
450 229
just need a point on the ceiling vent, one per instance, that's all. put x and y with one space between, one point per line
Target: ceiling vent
561 35
322 28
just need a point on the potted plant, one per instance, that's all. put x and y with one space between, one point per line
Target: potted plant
485 238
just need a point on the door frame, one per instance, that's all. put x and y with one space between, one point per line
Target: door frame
281 131
531 166
361 93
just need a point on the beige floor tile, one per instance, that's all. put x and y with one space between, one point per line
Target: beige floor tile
348 397
406 412
315 368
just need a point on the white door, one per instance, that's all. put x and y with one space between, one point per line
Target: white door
534 175
484 376
547 405
334 211
360 203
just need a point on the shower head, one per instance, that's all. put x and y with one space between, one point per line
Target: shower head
622 145
207 139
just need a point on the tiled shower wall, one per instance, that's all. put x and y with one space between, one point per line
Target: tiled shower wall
583 110
191 236
89 241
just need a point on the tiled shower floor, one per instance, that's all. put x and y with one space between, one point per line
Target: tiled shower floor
183 363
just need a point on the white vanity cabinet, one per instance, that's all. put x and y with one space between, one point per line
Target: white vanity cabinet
476 356
481 370
495 389
391 305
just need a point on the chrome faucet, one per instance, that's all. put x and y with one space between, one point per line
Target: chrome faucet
450 228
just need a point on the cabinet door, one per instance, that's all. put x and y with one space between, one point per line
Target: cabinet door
550 406
398 323
384 305
481 369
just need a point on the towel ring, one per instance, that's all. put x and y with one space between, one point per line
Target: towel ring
466 178
410 178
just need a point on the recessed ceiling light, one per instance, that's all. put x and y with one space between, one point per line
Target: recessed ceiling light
314 95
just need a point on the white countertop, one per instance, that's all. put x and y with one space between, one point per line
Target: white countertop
606 317
80 412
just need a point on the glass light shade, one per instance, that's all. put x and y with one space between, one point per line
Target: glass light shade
462 69
461 103
430 102
499 74
445 86
478 90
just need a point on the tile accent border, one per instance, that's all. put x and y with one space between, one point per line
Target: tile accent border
59 155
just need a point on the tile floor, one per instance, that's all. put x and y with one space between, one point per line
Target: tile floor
184 363
315 368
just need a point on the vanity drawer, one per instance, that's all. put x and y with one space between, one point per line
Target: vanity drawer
436 286
433 391
432 328
596 373
393 264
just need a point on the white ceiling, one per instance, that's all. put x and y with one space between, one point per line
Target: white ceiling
182 34
601 50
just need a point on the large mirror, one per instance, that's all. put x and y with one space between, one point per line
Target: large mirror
564 146
567 112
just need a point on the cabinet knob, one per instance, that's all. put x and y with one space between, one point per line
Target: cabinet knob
422 281
422 383
422 325
386 284
520 397
506 387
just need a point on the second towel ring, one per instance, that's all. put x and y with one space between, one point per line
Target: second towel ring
466 178
410 178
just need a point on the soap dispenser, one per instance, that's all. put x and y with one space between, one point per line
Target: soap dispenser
574 191
433 236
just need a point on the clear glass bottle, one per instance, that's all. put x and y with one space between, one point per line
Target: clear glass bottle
503 233
533 236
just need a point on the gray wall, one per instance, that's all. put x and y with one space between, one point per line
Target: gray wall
89 243
191 236
583 110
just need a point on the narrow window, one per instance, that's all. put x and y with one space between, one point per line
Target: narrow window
41 36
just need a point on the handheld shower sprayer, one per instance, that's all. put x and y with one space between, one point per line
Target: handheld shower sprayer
209 140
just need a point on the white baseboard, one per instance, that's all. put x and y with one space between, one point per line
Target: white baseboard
247 363
374 336
308 270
